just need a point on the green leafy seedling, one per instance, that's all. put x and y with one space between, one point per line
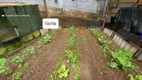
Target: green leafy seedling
64 74
58 64
112 64
71 57
17 76
138 77
27 65
76 68
30 49
76 77
63 71
20 66
17 59
4 69
131 77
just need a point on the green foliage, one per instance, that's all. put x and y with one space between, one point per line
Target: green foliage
137 77
27 65
72 39
30 49
3 61
17 76
105 55
112 64
20 66
71 56
60 58
78 53
94 31
58 64
18 59
4 69
63 72
46 38
100 38
123 59
35 57
76 68
2 50
131 77
71 42
76 77
52 77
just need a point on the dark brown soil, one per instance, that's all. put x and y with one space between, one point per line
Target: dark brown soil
42 68
91 61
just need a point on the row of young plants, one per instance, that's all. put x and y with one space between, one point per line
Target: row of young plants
119 58
20 61
68 59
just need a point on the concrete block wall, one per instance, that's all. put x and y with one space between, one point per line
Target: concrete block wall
81 5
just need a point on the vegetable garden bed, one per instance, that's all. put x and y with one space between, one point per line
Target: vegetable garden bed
71 54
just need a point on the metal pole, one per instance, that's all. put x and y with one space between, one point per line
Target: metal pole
105 7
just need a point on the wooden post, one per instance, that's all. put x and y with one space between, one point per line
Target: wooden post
45 8
103 25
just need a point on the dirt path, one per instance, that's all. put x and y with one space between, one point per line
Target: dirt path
92 63
42 68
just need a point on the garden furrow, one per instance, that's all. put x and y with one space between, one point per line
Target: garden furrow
41 68
92 63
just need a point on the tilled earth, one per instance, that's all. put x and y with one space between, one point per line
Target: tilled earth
91 61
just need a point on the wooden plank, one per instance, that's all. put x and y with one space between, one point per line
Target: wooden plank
113 12
126 2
